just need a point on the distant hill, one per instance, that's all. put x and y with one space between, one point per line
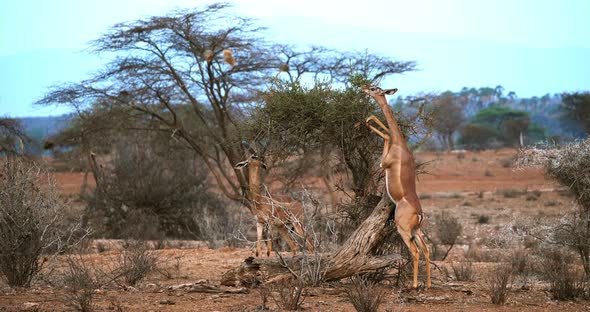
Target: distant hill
40 128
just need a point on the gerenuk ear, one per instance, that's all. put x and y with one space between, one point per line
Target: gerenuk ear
390 91
241 164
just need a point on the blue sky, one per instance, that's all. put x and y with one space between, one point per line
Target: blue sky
530 47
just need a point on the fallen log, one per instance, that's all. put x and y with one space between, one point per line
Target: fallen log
203 286
355 256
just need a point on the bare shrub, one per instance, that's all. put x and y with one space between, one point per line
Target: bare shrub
534 195
151 188
558 267
483 219
569 166
288 295
116 305
498 282
321 231
509 193
364 294
33 221
80 281
476 254
448 229
264 294
463 271
135 263
318 232
454 195
520 264
11 132
353 214
507 162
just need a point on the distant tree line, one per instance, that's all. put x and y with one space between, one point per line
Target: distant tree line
486 118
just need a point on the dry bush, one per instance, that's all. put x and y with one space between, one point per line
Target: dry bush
80 281
463 271
313 268
174 272
264 294
12 137
507 162
364 294
134 263
483 219
352 214
558 267
288 295
476 254
448 229
34 221
320 230
569 166
509 193
521 264
498 282
151 188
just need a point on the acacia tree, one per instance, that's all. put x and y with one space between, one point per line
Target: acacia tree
171 70
500 123
447 118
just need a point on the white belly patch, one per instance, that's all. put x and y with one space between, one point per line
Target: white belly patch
387 187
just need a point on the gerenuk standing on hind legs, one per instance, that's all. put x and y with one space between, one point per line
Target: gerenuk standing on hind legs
400 180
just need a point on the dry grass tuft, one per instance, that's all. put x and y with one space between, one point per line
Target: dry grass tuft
364 294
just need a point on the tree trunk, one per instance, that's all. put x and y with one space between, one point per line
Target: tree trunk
450 143
355 256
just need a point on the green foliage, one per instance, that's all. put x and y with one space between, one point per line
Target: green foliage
577 109
315 119
447 117
293 116
477 136
497 115
499 124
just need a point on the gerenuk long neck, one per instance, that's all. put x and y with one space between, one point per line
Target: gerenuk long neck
255 183
396 135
